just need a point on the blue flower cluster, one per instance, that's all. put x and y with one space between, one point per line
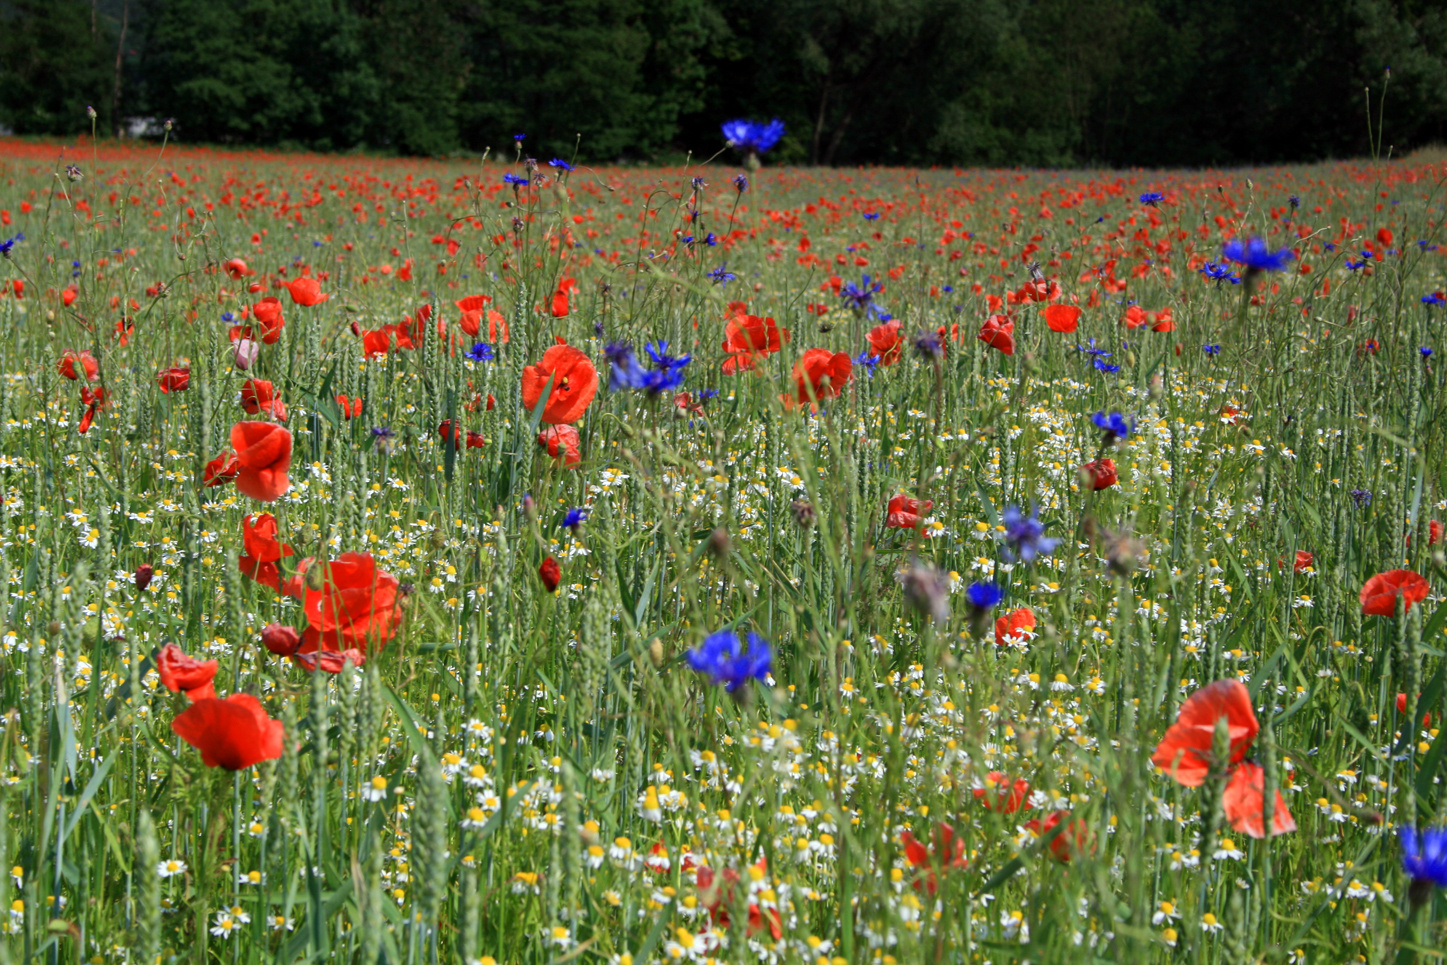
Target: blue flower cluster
753 137
1115 426
1025 536
722 658
665 375
861 297
1255 255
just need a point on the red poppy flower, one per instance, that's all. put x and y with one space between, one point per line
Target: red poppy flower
1100 473
1379 595
562 444
355 609
94 401
471 322
885 342
268 313
949 854
685 406
1304 561
1040 291
236 269
306 292
716 894
175 379
1161 321
1402 709
377 341
180 672
475 440
1076 839
68 362
1434 532
473 303
575 382
124 329
280 639
820 372
263 550
1062 318
263 454
329 660
998 332
748 338
1185 751
234 733
1012 627
68 296
559 304
1135 317
1245 799
221 470
550 573
351 408
447 428
906 512
1002 794
258 396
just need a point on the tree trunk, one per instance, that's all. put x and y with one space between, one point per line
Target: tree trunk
120 53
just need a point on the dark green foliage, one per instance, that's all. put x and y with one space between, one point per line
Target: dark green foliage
998 82
53 62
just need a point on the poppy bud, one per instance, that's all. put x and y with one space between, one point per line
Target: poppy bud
316 577
803 511
1158 387
280 639
144 572
245 353
719 543
655 651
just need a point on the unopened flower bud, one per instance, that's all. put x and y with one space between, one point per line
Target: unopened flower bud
280 639
144 572
246 352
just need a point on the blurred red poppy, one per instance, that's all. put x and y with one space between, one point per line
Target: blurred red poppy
86 362
550 573
905 512
180 672
221 470
575 382
1002 794
1075 840
263 454
234 733
562 444
1379 595
748 338
1245 799
236 269
949 854
1062 318
258 396
356 607
351 408
998 332
559 303
1101 474
821 373
1013 627
1402 709
263 550
885 342
330 661
267 313
1185 751
175 379
306 292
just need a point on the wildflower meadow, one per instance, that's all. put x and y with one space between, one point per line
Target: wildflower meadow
527 561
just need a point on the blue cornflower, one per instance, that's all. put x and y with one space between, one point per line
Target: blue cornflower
575 518
381 432
1294 201
1424 854
861 297
9 243
227 316
1362 497
658 350
75 269
1025 535
513 179
560 164
711 239
1425 246
1366 256
983 596
1092 350
724 661
518 137
1103 366
871 216
868 361
705 394
1218 273
927 345
1114 426
1254 254
1211 349
753 137
1434 298
741 181
722 275
1426 352
480 352
1152 198
626 372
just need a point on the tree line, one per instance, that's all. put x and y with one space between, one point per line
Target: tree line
967 82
